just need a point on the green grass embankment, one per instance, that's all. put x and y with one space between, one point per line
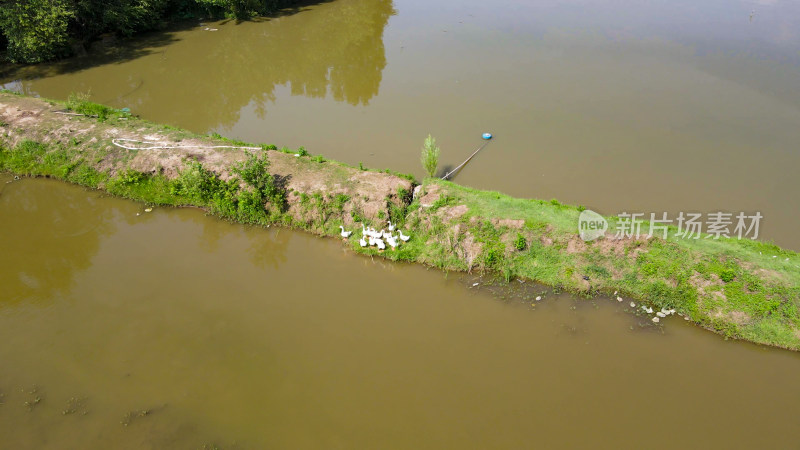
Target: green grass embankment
739 288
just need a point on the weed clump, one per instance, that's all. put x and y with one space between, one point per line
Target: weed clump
79 102
727 275
430 156
263 187
520 243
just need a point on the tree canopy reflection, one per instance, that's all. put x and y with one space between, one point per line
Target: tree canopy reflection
331 49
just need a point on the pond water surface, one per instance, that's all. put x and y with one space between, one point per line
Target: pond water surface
171 329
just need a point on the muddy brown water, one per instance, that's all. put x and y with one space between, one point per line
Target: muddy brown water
623 106
170 329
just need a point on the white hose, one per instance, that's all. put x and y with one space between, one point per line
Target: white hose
151 145
447 175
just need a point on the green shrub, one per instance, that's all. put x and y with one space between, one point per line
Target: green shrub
493 256
520 243
130 177
727 275
197 183
255 173
251 207
339 201
430 156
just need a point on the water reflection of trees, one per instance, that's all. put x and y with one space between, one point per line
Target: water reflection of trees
205 79
51 231
268 248
334 50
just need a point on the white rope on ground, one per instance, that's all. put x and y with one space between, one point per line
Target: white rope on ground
152 145
447 175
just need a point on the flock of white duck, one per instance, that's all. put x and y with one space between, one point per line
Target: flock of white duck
658 314
370 236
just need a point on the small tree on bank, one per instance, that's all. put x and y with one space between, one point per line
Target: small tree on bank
430 156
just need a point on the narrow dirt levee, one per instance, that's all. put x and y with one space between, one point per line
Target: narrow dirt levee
25 118
739 288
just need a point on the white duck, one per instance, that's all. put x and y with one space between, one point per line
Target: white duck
345 234
362 242
392 241
380 244
391 226
403 237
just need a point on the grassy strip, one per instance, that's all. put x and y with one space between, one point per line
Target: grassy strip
741 289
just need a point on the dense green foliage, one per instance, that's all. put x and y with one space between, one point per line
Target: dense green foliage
41 30
36 30
230 199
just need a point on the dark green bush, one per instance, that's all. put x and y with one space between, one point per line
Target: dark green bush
727 275
520 243
41 30
36 30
